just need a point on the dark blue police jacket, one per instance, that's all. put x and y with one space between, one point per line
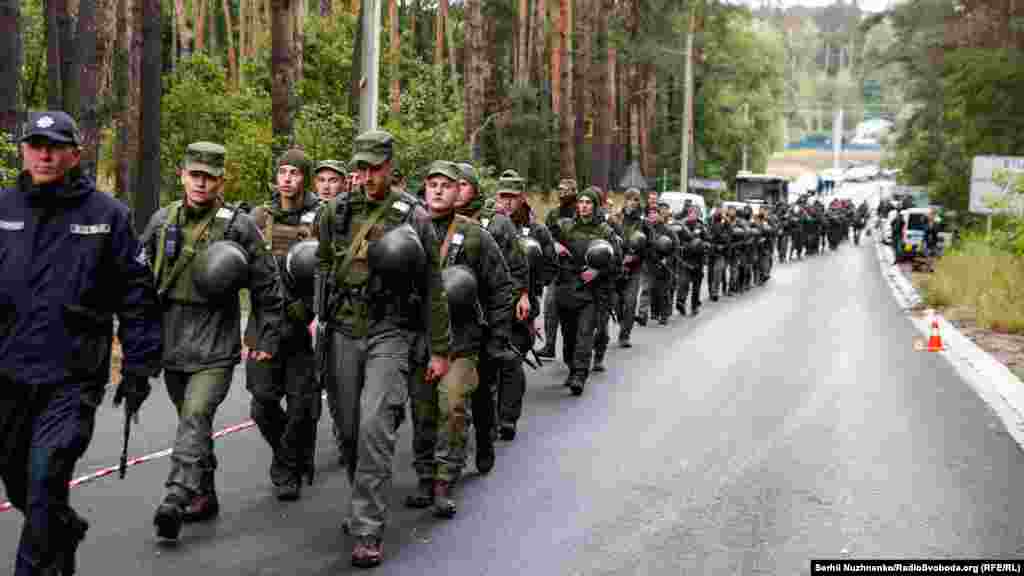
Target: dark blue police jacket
69 262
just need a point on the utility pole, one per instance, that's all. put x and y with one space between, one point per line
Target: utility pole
369 88
687 127
746 130
837 137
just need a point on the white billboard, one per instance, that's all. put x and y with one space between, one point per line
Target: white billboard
984 190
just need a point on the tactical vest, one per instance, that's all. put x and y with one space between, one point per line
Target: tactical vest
397 209
280 237
576 237
464 243
195 241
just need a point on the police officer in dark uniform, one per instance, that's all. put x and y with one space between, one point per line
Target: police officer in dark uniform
584 282
379 292
284 222
203 253
70 262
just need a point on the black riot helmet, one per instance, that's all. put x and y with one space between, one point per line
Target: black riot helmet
533 250
300 266
398 254
221 269
600 254
637 242
461 288
663 244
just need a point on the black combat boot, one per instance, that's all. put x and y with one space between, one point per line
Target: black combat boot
598 365
548 351
289 489
424 496
168 516
507 432
485 455
444 500
576 386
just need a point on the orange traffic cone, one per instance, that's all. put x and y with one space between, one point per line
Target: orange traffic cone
935 340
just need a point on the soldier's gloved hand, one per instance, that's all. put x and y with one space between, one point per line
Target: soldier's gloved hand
561 249
133 391
588 275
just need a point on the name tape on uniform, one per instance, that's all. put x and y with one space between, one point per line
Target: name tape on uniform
8 225
90 229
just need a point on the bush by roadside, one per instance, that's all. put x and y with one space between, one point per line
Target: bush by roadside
981 280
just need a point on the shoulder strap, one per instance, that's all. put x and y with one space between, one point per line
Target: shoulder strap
359 237
448 238
172 216
264 220
189 252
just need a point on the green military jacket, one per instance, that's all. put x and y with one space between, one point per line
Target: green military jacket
200 334
576 235
466 243
350 297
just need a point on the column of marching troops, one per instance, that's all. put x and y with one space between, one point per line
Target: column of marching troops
357 289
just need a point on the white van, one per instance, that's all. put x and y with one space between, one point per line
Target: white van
677 200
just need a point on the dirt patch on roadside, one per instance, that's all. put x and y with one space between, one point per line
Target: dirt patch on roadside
115 362
1006 348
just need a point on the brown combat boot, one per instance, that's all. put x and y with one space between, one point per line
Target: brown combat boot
368 551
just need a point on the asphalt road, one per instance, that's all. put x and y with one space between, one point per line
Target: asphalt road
790 423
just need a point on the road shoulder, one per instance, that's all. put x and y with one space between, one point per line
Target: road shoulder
992 380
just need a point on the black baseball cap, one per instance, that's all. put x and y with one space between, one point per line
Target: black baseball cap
53 125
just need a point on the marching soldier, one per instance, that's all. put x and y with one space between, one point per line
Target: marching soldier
498 371
661 261
539 248
331 179
586 253
604 309
635 237
285 222
719 237
477 284
379 294
693 262
63 284
203 253
566 209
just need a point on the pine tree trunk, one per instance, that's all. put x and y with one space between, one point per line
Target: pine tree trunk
396 53
475 79
449 31
414 8
522 68
326 8
122 89
299 11
213 41
567 142
184 31
199 18
556 59
232 59
581 69
88 67
243 29
281 67
650 118
538 28
68 72
10 68
357 64
355 6
54 99
439 32
603 81
149 185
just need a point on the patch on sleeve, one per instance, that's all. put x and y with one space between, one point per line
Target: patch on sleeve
225 213
142 257
485 222
308 217
90 229
457 239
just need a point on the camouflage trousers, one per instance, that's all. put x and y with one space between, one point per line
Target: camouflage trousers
441 415
196 397
550 317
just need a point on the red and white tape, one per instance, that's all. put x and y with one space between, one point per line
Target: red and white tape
108 470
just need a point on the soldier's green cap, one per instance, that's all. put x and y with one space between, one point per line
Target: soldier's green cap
593 193
469 174
444 168
374 147
205 157
333 165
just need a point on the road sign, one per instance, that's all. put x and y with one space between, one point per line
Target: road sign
707 184
983 189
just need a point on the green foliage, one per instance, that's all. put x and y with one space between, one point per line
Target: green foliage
8 160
